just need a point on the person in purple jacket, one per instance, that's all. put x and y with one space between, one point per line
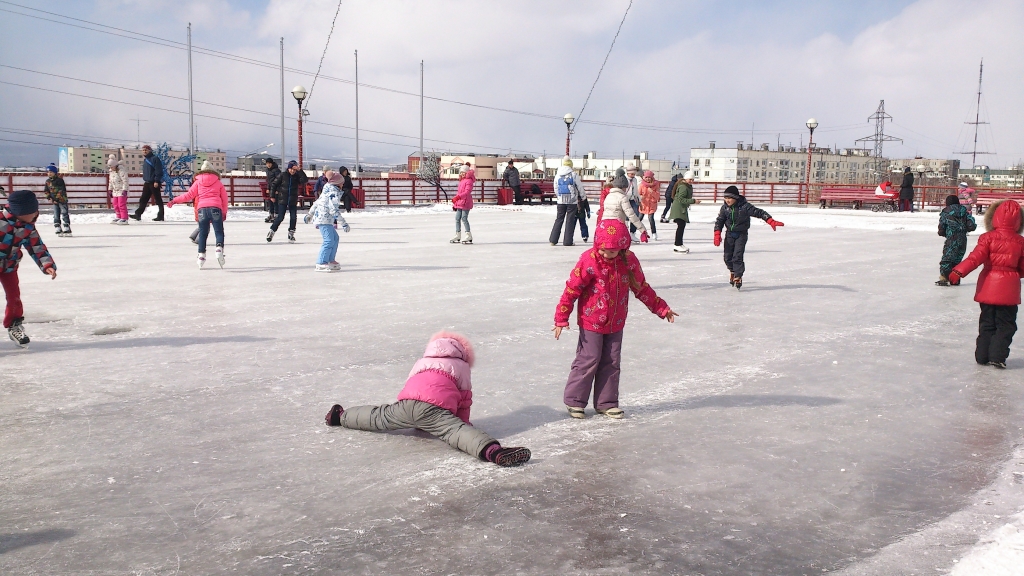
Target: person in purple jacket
436 398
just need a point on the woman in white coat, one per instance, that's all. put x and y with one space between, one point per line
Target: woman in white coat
618 207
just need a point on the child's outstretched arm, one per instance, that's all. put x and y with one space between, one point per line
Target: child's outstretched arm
36 249
644 293
580 277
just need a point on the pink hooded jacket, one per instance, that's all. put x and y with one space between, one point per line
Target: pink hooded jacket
441 376
207 191
464 199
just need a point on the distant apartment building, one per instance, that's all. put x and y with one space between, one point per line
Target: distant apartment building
928 168
254 162
589 166
1012 177
784 164
94 159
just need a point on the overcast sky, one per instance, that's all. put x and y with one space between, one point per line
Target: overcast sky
705 70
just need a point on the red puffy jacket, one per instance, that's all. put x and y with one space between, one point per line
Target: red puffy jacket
1001 251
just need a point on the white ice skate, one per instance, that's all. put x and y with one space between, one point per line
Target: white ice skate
654 237
468 239
682 249
17 334
291 236
335 266
457 239
220 256
201 260
322 268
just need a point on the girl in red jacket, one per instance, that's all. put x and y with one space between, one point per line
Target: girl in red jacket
436 399
602 281
1001 251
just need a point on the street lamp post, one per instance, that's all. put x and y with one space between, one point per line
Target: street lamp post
300 94
568 131
811 125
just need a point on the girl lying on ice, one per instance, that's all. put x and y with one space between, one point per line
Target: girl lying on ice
436 399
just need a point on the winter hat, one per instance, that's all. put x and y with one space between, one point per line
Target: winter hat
612 235
630 167
206 166
566 161
952 200
292 163
620 182
464 168
620 172
112 161
51 168
963 185
269 160
445 343
906 169
21 202
688 175
648 174
732 192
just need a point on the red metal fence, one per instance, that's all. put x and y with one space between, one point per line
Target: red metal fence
89 191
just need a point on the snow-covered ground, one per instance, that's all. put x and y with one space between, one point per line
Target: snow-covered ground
828 417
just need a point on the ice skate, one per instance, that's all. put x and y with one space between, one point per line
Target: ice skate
507 457
457 239
739 283
576 412
663 221
291 236
732 279
333 417
270 236
136 217
17 334
1000 365
220 256
682 249
468 239
615 413
322 268
335 266
654 236
59 232
66 233
268 219
942 281
123 221
201 260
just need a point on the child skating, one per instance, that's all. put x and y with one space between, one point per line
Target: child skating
682 198
18 230
602 280
118 190
462 204
734 218
57 193
436 399
326 213
1001 251
211 204
955 221
650 195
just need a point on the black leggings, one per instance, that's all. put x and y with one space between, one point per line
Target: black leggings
668 206
680 228
654 227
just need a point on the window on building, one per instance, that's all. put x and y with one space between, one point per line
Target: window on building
707 161
707 173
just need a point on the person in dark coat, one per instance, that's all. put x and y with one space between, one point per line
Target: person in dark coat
1001 252
955 221
152 178
734 218
907 191
670 195
273 173
347 197
510 178
290 186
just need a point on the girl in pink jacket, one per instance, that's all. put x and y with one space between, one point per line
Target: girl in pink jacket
211 204
462 204
602 281
436 399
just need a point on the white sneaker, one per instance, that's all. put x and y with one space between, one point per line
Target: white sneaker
322 268
220 256
682 249
201 260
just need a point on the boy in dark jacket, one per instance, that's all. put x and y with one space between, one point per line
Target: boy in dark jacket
955 221
18 230
1001 251
273 173
734 217
290 185
57 193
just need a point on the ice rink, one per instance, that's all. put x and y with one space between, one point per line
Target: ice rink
827 418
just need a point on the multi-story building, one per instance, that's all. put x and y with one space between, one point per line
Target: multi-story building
928 168
784 164
589 166
94 159
1013 177
254 162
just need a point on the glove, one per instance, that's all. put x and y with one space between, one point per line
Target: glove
774 223
954 278
643 237
307 219
718 237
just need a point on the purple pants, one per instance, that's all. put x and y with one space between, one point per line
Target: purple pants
597 363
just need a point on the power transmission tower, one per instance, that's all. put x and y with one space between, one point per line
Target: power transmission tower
977 121
879 137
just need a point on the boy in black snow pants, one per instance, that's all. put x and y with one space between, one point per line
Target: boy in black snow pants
735 218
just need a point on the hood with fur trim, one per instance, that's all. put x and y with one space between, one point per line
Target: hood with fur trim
1004 215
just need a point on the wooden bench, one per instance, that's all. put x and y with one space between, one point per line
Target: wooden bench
547 191
858 198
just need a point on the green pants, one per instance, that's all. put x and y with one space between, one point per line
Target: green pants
421 415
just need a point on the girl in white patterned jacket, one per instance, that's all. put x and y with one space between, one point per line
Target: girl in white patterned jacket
326 214
118 190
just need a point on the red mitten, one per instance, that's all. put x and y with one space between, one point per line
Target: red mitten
774 223
643 237
718 237
954 278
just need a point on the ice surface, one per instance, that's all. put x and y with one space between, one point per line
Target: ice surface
170 420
